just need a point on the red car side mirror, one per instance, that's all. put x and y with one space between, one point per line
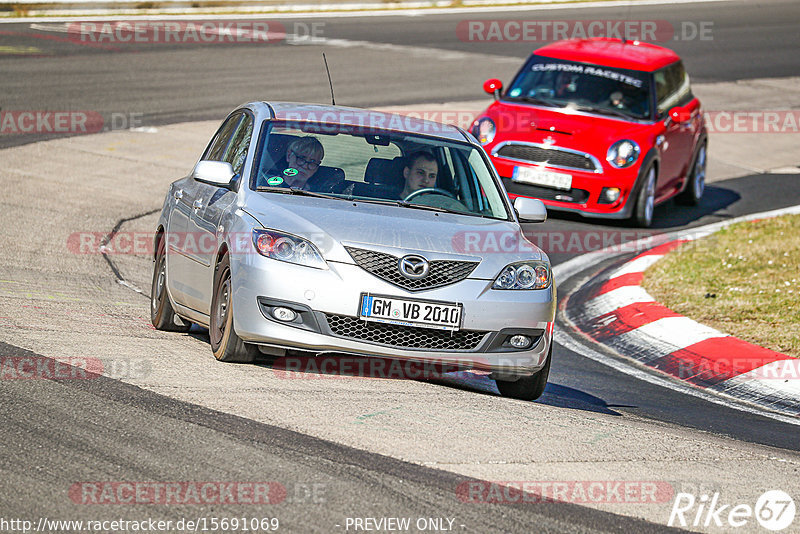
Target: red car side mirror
680 114
493 86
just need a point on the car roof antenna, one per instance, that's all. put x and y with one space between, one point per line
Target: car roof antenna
333 100
624 37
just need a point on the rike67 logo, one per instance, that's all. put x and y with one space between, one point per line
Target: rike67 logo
774 510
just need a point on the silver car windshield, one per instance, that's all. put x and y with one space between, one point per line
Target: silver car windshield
350 163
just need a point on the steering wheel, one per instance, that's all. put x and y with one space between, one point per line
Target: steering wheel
430 191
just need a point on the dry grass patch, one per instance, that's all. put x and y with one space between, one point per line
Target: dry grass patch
743 280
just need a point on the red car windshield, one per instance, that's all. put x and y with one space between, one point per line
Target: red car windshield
594 88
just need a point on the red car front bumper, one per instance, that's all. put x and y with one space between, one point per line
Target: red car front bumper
584 197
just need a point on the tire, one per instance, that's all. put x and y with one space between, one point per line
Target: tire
645 200
527 388
162 316
693 192
225 344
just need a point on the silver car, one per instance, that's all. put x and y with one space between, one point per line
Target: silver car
333 230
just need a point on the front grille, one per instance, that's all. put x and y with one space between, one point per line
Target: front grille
404 337
385 266
577 196
550 156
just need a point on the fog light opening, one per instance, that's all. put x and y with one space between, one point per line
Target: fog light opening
610 195
284 314
519 341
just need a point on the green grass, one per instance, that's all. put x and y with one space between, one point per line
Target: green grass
743 280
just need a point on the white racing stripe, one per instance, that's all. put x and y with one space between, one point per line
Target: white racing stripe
639 265
663 337
614 299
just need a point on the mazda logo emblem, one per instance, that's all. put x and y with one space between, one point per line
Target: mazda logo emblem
413 267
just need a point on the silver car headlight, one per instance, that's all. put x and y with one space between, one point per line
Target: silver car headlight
524 275
289 248
623 153
484 129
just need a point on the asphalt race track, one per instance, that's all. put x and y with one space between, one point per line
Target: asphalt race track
340 448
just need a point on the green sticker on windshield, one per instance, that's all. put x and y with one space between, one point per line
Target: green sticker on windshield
290 172
274 180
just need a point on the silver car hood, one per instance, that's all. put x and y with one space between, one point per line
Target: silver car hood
333 224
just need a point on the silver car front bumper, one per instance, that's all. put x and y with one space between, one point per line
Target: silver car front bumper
330 300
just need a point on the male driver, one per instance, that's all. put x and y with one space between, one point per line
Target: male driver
420 172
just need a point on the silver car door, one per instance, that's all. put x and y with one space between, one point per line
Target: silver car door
198 238
211 204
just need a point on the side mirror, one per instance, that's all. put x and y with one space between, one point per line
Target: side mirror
680 115
531 210
493 86
214 172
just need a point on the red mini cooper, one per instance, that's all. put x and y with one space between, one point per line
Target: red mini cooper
602 127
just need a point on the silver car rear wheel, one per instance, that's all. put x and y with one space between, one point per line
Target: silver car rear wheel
162 316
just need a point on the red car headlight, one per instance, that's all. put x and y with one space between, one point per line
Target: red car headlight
623 153
484 130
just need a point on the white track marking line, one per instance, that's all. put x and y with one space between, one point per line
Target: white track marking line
299 40
367 10
570 268
720 398
780 378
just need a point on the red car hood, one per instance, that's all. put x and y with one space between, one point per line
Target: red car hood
589 133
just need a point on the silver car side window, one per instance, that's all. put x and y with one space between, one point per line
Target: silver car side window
237 150
223 138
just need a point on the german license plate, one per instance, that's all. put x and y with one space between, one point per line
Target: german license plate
408 312
556 180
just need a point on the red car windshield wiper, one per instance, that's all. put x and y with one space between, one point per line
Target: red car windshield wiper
535 100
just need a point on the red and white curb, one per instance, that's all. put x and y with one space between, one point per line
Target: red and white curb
615 311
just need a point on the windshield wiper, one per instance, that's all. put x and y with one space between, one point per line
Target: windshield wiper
605 111
404 204
297 191
535 100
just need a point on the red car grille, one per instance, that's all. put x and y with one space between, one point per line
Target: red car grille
551 156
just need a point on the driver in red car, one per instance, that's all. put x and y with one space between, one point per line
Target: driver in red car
420 172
